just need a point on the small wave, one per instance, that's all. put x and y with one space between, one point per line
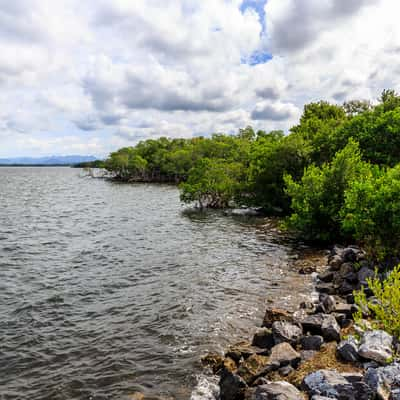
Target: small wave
206 389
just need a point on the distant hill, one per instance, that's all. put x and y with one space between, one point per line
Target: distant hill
52 160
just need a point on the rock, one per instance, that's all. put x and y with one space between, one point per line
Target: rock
244 350
347 350
325 288
344 308
232 386
328 383
333 385
275 391
330 329
326 276
377 346
313 323
385 381
346 288
350 255
322 324
321 398
275 314
251 368
340 276
327 303
263 338
286 370
363 274
284 354
335 262
353 377
313 342
286 332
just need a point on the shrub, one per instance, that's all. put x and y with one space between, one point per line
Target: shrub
385 307
371 213
317 199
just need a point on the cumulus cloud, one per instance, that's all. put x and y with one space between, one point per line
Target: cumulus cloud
93 76
274 111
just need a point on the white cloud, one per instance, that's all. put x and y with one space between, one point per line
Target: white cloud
90 76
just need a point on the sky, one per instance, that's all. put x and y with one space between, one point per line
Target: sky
88 77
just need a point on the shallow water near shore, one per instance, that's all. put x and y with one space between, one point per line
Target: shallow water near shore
107 289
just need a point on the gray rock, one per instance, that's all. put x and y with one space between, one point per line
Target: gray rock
313 342
350 254
330 328
232 386
328 383
385 381
363 274
284 354
286 370
276 314
286 332
328 303
275 391
335 262
321 398
347 350
377 346
344 308
323 287
313 323
326 276
263 338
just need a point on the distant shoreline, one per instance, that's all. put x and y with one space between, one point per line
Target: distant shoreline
36 165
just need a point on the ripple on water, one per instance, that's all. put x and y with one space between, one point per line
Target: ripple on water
109 289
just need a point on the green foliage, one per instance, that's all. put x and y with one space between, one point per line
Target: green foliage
318 198
371 212
272 157
212 183
385 307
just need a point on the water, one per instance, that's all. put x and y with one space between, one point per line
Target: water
107 289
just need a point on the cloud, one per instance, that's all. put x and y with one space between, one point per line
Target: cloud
98 75
274 111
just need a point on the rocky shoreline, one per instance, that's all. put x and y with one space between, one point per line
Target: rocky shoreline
316 352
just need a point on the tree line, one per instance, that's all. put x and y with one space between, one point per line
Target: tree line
336 175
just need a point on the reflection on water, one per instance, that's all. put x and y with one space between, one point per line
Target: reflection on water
107 289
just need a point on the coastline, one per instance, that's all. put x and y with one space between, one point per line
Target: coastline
315 352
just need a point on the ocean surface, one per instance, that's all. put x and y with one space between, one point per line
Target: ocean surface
107 289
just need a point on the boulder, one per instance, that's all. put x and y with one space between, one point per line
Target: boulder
363 274
311 342
286 332
274 391
327 303
284 354
333 385
350 254
313 323
229 364
328 383
335 262
275 314
323 287
263 338
385 381
244 350
326 276
377 346
330 328
250 369
232 386
347 350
